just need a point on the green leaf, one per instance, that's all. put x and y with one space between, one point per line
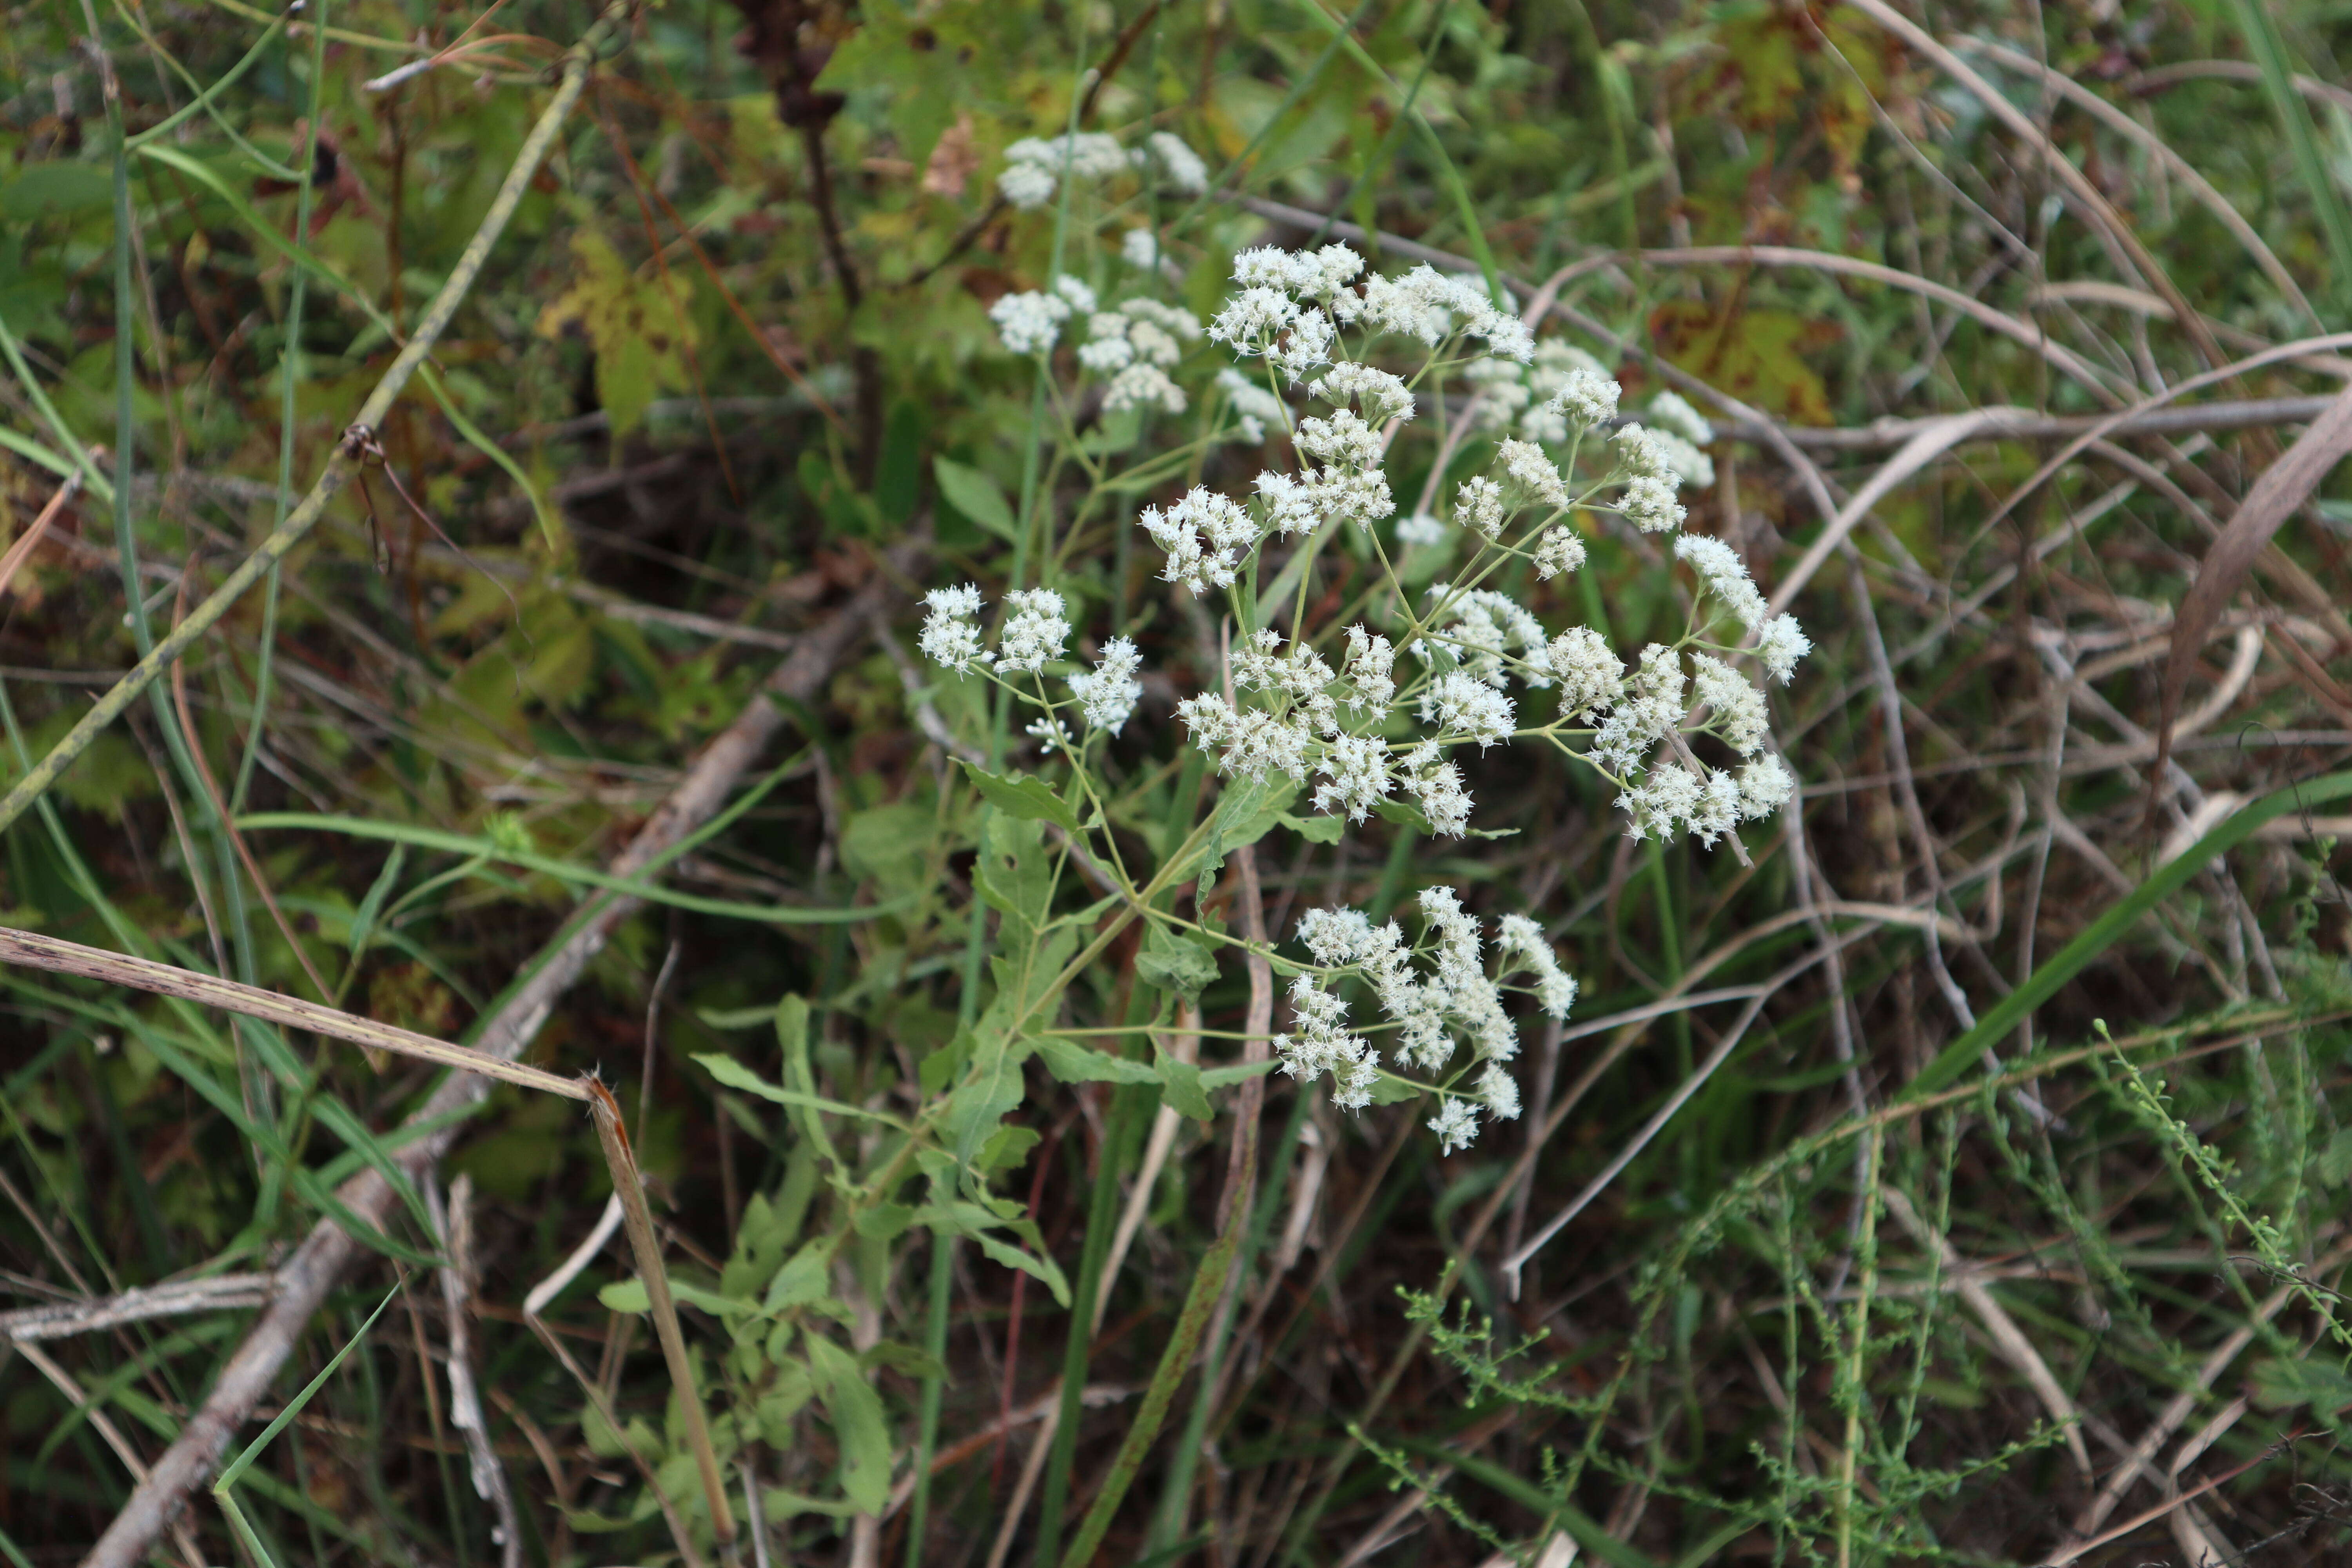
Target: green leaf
625 1296
1240 1072
1175 963
735 1075
1043 1269
1014 876
859 1427
799 1281
1321 828
976 495
1024 795
1072 1062
2336 1159
1007 1149
884 1221
1180 1086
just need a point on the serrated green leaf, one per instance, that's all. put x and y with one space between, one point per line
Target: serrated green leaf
1022 795
1175 963
1180 1086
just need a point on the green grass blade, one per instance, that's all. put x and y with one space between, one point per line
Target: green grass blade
2109 928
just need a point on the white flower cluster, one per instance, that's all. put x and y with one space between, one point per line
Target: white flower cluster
1559 392
1780 641
1181 169
1034 166
1205 536
1341 734
1107 693
1031 638
1437 995
1030 324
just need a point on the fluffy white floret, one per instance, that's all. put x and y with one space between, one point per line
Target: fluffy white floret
1034 632
1028 324
1107 692
950 635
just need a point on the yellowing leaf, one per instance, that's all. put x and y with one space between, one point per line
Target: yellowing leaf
638 328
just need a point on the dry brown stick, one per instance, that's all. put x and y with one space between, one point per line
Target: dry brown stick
455 1222
22 549
306 1278
221 1293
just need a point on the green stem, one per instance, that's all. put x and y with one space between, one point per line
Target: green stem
1202 1300
1102 1213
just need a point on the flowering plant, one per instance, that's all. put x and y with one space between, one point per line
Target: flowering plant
1375 708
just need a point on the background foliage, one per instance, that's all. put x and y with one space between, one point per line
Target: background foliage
1860 1298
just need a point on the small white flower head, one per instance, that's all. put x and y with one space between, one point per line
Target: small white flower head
1086 154
1026 187
1382 396
1499 1092
1034 632
1205 536
1464 707
1523 945
1076 292
1106 347
1253 320
1355 773
1482 628
1586 399
1421 528
1436 783
950 635
1726 576
1591 681
1292 505
1765 787
1368 667
1456 1124
1478 506
1325 273
1050 735
1263 267
1671 413
1343 439
1738 709
1209 718
1561 549
1648 504
1107 693
1781 645
1405 306
1142 387
1640 454
1028 324
1659 676
1181 168
1689 466
1182 326
1139 249
1305 346
1359 495
1525 462
1256 410
1667 796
